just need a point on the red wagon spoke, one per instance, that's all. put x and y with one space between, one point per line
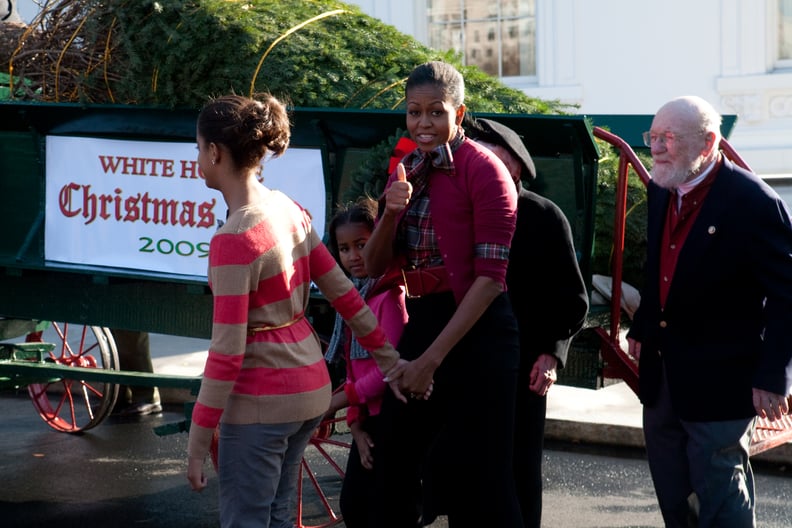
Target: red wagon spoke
73 405
328 465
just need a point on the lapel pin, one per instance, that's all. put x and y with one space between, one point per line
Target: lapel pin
711 230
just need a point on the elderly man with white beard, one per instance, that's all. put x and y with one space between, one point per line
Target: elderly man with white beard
712 332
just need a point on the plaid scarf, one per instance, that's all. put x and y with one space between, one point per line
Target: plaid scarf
416 225
341 333
418 163
368 287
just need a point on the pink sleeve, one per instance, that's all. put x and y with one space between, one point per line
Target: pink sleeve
368 383
391 313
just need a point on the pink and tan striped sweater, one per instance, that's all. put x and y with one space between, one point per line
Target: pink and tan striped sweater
265 363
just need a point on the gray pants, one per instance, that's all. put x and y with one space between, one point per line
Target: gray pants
258 468
708 458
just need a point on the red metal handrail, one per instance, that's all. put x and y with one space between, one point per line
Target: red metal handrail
619 364
730 153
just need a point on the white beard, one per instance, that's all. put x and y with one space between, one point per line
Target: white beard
669 178
673 177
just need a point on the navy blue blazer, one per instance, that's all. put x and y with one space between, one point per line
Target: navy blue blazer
727 322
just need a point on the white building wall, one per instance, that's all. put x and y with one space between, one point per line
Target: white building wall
630 57
398 13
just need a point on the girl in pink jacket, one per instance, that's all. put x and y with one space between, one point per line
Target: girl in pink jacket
349 230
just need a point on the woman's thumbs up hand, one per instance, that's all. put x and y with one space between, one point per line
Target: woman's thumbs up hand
398 194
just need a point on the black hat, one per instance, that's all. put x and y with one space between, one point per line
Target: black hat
499 134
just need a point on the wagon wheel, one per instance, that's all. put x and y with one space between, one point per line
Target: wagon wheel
322 469
71 405
324 474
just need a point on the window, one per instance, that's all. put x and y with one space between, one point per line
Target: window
785 33
510 26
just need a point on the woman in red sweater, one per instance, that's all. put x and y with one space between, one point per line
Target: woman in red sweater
447 217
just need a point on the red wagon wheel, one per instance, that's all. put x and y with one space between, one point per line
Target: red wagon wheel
71 405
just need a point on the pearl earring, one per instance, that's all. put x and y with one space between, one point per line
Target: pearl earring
213 162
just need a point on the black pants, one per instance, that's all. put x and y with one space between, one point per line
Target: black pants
529 426
134 354
359 490
466 426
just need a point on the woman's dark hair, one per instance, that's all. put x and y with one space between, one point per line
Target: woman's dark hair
362 211
441 75
248 128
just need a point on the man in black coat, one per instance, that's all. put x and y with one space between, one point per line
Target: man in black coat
550 302
712 332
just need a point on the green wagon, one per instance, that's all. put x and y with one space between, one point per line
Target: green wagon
72 253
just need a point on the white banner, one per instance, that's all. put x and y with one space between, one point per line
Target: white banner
143 205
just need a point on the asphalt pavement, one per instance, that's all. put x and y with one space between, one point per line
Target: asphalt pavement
120 474
604 419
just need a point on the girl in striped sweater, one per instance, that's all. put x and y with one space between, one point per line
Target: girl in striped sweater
265 380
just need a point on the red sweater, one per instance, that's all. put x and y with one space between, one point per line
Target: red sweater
473 206
265 362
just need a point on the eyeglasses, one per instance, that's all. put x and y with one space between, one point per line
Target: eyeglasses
664 138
